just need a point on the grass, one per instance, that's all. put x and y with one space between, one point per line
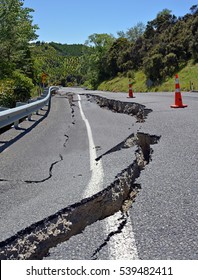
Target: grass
187 76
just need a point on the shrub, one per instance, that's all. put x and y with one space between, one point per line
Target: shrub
131 75
7 98
18 88
23 86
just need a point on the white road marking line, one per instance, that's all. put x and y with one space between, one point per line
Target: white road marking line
96 167
122 245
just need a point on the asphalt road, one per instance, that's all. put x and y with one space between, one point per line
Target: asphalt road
46 168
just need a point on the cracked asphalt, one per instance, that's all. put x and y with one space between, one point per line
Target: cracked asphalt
164 215
40 174
47 168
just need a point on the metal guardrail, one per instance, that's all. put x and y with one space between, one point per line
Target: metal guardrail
13 115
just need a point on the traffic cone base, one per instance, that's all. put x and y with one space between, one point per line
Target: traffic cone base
131 94
178 101
176 106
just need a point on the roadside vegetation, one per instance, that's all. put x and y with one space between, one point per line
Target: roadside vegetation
187 78
150 55
153 54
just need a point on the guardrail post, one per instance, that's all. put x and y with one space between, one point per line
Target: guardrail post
16 124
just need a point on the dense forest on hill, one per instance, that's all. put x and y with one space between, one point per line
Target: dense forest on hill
159 49
68 50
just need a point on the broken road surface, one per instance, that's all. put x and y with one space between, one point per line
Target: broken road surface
79 171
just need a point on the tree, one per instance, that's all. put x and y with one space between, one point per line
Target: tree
94 61
194 9
115 56
194 41
100 41
47 60
133 33
153 66
16 31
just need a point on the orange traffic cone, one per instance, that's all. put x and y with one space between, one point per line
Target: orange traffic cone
130 90
178 97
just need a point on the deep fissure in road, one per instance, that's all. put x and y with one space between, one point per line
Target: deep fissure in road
139 111
35 241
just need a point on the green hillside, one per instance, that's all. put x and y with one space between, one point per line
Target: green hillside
187 77
68 50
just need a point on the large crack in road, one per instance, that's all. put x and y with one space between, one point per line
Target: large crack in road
139 111
35 241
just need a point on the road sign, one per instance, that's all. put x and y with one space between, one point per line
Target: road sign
43 77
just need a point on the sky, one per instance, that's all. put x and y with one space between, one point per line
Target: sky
72 21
